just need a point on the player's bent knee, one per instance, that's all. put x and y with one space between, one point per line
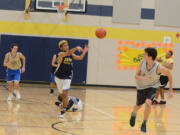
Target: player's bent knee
16 86
148 102
60 98
64 95
10 84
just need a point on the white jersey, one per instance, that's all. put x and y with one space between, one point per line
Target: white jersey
153 82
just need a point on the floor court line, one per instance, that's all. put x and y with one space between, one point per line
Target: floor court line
100 111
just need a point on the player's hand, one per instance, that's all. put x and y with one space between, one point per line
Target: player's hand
8 64
170 94
79 49
23 70
86 48
146 77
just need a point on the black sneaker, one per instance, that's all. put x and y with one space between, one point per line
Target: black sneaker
74 109
132 120
63 112
162 102
51 91
57 103
155 102
143 127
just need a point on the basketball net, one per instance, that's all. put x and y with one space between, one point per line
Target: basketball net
62 12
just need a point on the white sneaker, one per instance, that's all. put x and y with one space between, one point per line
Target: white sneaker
10 97
18 95
61 115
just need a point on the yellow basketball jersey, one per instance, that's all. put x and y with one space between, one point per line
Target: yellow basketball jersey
167 61
15 61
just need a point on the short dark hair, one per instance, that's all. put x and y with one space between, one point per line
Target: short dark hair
12 46
152 52
171 52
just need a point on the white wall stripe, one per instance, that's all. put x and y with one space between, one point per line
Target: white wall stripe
79 20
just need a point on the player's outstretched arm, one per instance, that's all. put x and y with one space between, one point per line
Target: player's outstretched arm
169 66
73 50
75 57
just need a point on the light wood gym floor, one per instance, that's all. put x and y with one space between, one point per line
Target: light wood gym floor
106 112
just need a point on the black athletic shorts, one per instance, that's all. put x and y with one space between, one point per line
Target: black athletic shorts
142 95
164 81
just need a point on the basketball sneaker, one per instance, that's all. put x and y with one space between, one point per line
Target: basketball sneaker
10 97
143 127
51 91
17 93
57 104
162 102
63 111
155 102
132 120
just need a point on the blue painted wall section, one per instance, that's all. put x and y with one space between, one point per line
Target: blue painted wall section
38 52
147 13
12 5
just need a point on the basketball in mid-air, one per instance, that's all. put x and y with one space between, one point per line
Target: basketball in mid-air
100 33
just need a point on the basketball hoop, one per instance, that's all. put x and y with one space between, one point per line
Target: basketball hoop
62 12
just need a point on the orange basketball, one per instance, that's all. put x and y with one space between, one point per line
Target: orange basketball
100 33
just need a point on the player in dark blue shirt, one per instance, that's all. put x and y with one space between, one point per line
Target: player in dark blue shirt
64 70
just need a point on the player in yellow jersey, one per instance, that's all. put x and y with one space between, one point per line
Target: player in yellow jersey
12 61
167 62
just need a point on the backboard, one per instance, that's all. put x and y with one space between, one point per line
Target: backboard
50 5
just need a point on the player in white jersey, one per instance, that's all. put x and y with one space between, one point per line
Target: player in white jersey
147 81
